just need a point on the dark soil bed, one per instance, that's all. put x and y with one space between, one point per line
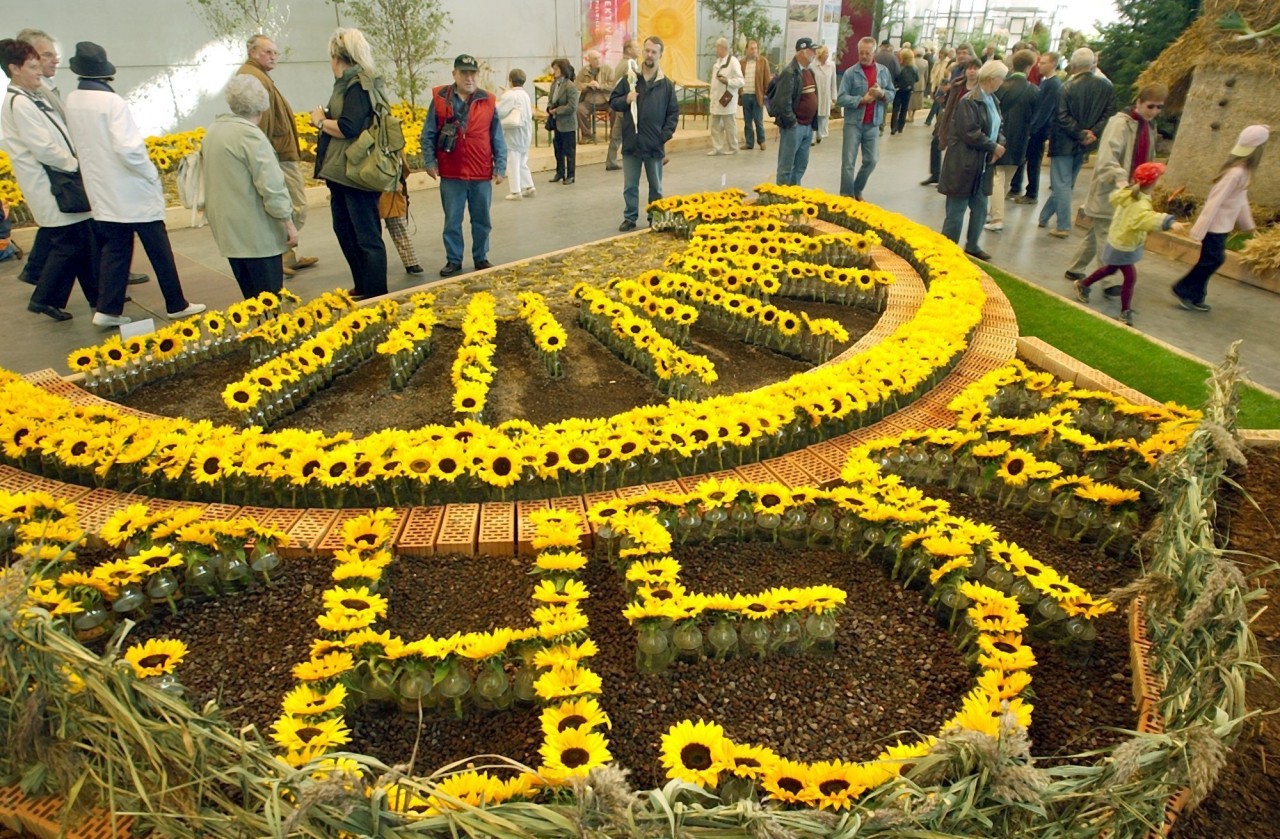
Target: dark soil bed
876 688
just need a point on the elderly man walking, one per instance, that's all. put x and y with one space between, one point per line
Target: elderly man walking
462 145
864 89
795 106
630 52
277 124
1083 110
647 101
726 82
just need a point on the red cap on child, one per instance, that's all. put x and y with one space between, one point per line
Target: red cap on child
1148 173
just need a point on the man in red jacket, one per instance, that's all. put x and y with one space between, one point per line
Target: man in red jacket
462 145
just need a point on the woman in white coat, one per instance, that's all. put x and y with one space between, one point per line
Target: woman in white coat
824 74
517 131
35 137
123 187
726 81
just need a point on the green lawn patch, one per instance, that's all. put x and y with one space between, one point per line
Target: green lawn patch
1122 353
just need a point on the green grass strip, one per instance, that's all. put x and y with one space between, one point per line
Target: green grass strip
1122 353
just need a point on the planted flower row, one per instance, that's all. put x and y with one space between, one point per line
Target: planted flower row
409 341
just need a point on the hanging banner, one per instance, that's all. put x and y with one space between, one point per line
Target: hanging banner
830 27
803 21
675 22
606 25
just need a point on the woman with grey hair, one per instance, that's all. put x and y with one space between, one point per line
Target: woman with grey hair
246 200
974 143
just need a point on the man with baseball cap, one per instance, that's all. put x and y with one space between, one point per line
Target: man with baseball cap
462 145
795 104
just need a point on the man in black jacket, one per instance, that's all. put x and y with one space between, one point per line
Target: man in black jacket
646 101
1083 110
795 104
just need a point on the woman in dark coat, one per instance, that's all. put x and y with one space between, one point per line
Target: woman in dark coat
562 107
974 143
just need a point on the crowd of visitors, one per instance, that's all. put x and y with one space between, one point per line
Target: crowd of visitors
83 166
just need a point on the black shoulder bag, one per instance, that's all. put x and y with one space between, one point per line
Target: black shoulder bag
67 187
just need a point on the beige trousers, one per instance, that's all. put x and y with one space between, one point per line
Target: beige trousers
297 187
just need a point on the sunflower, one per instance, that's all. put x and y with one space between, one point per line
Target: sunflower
465 789
355 600
997 616
786 781
123 525
241 396
833 784
366 532
654 571
297 734
573 752
560 561
571 591
564 655
305 701
1014 469
746 761
156 657
83 361
328 666
155 559
696 752
567 681
1005 652
116 573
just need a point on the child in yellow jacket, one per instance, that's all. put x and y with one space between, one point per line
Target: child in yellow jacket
1133 220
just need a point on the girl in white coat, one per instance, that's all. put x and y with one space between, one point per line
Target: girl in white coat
518 134
123 187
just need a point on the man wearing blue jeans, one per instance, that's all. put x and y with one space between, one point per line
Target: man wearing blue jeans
864 90
795 105
646 101
1083 110
462 145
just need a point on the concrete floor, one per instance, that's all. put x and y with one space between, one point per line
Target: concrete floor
565 216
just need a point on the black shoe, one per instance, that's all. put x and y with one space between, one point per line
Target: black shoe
413 269
483 264
1111 292
567 181
137 279
928 182
626 225
52 311
557 179
611 167
449 269
1074 275
979 254
24 277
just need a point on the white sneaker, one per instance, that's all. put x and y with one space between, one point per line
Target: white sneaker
108 321
528 192
513 196
994 227
192 309
714 153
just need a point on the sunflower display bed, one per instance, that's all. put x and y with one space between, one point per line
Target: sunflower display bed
610 584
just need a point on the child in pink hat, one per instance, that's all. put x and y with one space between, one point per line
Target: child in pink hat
1133 220
1226 208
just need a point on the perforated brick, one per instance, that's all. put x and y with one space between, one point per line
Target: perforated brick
420 530
58 489
673 487
15 480
10 799
277 518
632 492
222 512
458 529
754 473
307 531
496 533
787 470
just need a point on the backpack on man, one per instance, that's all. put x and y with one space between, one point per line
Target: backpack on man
771 89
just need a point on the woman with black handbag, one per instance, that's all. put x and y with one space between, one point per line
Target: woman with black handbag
355 210
36 139
562 110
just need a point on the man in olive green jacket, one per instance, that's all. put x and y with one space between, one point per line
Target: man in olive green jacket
277 124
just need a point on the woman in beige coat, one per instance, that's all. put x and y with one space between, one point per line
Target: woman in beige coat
246 200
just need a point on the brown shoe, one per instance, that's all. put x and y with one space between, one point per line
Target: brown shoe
305 262
762 146
289 272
